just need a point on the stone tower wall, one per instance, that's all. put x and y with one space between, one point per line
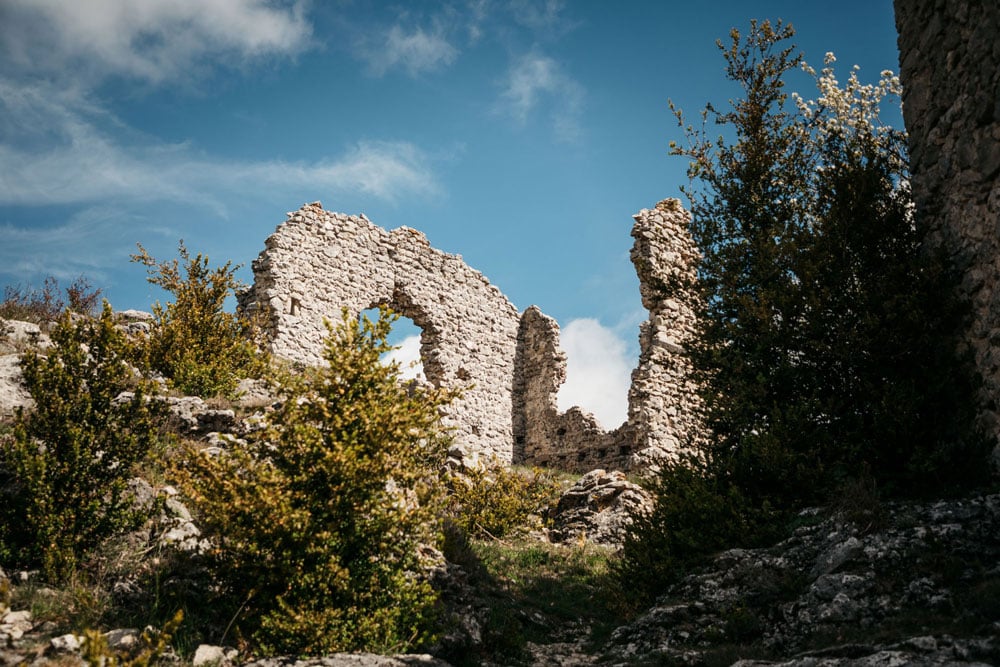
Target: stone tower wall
950 69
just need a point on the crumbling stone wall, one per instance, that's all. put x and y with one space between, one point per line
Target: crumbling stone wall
664 411
572 440
511 365
950 68
318 262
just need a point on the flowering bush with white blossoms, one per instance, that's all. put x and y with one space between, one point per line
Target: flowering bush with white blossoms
851 114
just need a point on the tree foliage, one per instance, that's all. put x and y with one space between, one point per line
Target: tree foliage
202 349
317 523
70 458
830 337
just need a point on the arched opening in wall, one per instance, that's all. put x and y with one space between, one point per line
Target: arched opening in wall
405 338
599 363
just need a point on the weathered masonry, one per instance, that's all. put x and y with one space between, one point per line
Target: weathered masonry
508 363
950 68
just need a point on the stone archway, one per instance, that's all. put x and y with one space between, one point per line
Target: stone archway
318 262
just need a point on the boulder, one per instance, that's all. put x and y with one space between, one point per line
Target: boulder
598 509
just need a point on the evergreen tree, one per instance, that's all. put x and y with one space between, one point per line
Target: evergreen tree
829 340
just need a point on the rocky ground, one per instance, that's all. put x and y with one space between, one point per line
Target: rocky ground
866 583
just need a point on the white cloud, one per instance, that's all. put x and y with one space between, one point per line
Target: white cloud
407 355
538 15
598 371
85 155
534 79
415 51
149 40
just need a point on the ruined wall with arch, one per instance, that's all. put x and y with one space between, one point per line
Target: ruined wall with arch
508 363
318 262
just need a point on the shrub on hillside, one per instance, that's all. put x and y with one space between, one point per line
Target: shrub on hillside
202 349
695 512
45 304
496 500
69 460
317 522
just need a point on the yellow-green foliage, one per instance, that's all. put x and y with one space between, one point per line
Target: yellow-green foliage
316 523
71 457
152 645
198 346
495 500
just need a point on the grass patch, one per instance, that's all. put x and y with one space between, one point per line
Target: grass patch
541 593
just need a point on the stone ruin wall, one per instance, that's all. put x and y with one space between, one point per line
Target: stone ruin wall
950 69
510 364
664 409
319 262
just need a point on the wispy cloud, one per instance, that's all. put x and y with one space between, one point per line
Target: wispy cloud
407 355
598 371
535 81
414 51
540 15
82 157
152 41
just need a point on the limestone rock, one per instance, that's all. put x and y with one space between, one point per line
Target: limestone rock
353 660
830 578
207 655
597 509
13 394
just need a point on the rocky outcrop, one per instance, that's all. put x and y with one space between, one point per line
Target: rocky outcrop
598 509
839 592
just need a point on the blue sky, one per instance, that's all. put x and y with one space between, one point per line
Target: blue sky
520 134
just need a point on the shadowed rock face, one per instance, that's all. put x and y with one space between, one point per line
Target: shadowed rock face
510 365
950 69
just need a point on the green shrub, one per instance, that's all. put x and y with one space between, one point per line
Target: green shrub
496 500
44 305
829 333
696 511
317 523
70 459
202 349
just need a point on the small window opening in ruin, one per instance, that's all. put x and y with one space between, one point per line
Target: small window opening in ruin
405 338
295 307
560 432
599 363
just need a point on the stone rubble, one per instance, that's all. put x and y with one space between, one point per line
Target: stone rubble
597 509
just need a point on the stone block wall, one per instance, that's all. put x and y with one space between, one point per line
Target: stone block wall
319 262
572 440
950 69
664 411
